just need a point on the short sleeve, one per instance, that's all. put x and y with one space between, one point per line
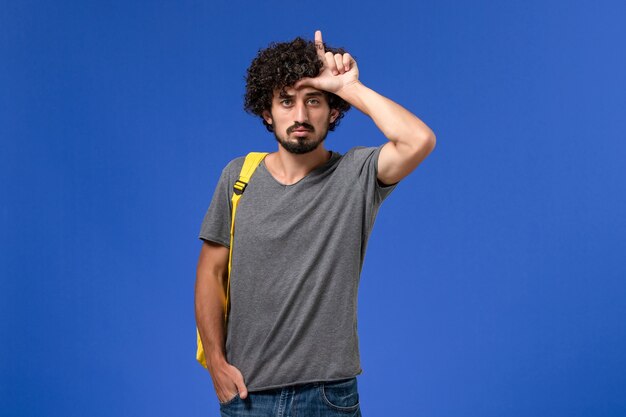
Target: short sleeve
366 160
216 223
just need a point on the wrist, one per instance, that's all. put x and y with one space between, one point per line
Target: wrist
350 90
357 95
215 360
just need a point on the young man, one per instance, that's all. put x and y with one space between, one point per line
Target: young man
302 225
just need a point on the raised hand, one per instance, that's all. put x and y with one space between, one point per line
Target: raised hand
339 70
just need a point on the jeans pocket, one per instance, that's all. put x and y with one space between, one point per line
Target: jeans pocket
341 395
232 400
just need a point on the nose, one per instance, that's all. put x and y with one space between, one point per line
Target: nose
301 113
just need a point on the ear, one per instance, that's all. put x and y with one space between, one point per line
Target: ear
334 113
267 116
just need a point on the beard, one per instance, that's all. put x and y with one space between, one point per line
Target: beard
301 145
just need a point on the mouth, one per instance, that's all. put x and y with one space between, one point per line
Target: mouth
300 129
300 133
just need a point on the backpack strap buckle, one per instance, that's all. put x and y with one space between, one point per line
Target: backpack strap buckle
239 187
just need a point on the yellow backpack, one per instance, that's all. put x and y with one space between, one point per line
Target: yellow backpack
252 161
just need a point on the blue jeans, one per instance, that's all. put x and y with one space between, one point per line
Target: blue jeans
316 399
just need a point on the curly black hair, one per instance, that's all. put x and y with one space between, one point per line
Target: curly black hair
280 65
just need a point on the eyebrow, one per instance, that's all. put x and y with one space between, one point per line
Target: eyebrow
310 94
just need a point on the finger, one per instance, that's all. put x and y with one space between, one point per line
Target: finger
319 44
241 387
339 63
347 60
227 397
330 62
224 394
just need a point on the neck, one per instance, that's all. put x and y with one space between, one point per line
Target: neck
289 168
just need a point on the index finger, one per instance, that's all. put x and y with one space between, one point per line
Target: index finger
319 44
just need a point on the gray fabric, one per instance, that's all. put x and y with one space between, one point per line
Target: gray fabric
297 259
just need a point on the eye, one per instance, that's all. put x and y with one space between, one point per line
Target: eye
314 101
286 102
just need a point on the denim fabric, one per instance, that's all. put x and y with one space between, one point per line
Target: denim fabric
317 399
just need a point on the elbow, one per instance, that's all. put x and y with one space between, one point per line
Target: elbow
432 142
424 144
427 141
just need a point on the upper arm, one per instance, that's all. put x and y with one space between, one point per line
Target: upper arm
397 160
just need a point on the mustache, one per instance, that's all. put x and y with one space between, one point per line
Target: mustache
298 125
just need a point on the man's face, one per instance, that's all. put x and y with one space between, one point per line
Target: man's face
300 118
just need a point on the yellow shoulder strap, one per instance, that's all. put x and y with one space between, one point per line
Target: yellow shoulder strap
252 161
250 164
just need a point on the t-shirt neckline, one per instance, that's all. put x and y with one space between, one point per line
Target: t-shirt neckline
313 173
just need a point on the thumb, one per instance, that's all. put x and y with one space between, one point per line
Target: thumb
241 386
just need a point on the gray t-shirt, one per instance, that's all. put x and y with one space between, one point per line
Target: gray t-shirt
297 258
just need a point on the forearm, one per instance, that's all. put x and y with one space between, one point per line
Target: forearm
210 299
397 124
